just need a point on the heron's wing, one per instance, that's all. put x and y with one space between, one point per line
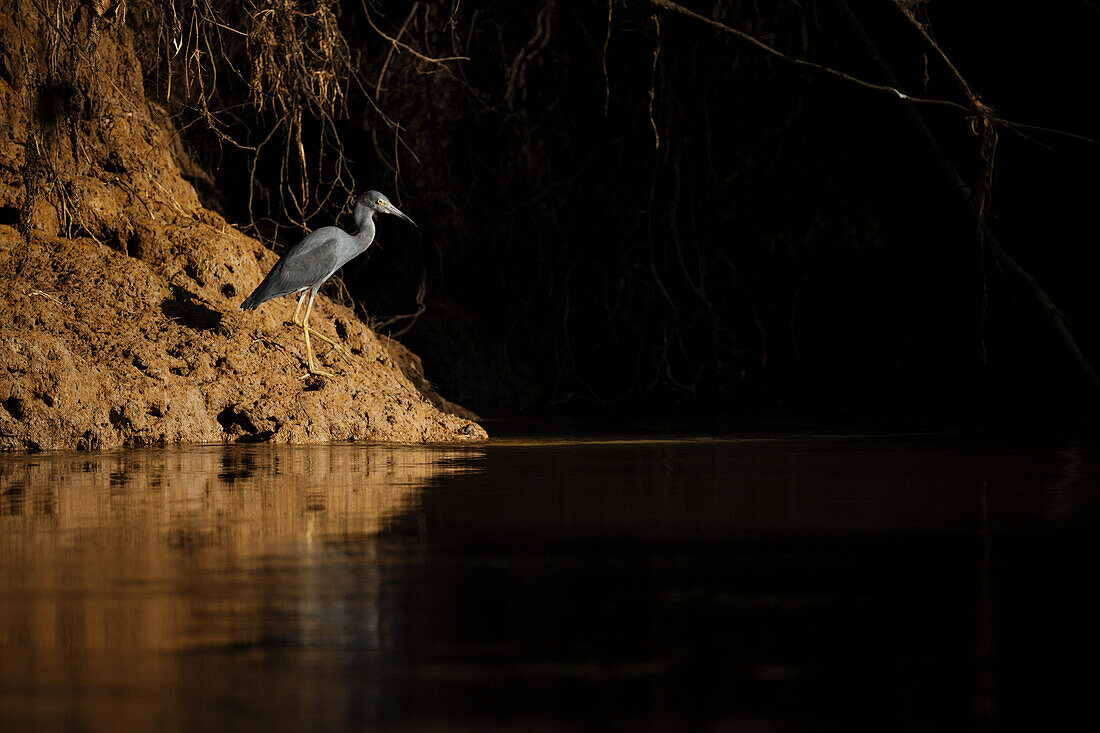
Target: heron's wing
312 260
308 263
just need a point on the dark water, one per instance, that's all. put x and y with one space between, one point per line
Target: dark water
927 582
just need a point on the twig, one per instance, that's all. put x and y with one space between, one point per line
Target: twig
421 291
535 44
1053 316
603 60
393 50
803 63
398 44
653 81
894 90
48 296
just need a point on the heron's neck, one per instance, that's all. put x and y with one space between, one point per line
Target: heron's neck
364 220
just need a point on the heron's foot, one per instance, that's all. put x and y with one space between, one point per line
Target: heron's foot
315 372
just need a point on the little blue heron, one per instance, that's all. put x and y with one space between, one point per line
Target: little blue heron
315 258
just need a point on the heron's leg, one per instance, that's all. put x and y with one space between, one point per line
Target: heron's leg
301 300
309 347
335 346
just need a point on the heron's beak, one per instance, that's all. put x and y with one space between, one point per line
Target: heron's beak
391 209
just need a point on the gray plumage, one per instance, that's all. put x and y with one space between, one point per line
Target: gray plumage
314 259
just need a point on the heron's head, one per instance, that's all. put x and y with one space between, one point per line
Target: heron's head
379 203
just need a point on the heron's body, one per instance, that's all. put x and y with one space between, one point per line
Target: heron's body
316 257
313 260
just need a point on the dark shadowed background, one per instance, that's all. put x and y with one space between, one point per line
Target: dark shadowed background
623 208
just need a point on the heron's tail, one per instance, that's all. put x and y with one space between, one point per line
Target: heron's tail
256 299
273 286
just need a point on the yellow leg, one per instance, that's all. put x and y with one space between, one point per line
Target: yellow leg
335 346
298 308
309 347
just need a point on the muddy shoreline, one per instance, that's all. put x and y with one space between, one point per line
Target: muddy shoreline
119 291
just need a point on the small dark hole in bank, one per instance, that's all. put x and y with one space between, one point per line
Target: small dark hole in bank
233 417
14 406
118 419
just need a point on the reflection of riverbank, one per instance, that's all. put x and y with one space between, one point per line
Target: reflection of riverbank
852 583
161 550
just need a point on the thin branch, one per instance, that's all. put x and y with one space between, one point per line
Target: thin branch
653 81
803 63
1047 306
923 30
393 50
398 44
603 60
1017 127
421 307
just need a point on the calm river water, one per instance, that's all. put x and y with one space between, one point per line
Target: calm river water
782 582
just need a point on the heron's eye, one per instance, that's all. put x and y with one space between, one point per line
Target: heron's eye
382 203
